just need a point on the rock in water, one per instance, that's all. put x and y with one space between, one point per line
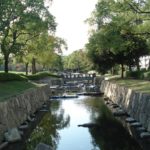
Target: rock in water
130 120
12 135
141 129
24 125
136 124
31 119
88 125
2 145
145 135
42 146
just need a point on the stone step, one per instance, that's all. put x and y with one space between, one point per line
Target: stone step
43 110
31 119
145 135
141 129
119 113
24 125
135 124
115 106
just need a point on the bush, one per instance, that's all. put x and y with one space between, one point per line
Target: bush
11 77
41 75
135 74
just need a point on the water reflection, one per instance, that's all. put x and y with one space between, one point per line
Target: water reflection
47 130
59 128
109 134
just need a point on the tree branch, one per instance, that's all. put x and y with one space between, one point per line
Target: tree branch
142 34
137 10
23 33
26 41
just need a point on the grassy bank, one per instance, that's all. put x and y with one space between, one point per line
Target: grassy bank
15 83
11 88
138 85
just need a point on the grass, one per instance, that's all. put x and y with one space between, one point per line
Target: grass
12 88
109 76
12 84
17 72
137 85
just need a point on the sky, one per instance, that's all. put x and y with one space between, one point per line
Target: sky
70 16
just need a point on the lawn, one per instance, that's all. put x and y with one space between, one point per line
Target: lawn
8 89
137 85
17 72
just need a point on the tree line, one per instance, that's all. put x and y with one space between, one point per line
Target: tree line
77 62
120 34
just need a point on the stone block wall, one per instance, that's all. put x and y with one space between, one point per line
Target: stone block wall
135 103
51 81
15 110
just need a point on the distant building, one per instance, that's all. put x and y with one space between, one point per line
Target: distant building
145 62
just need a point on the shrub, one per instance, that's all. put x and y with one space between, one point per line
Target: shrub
135 74
41 75
11 77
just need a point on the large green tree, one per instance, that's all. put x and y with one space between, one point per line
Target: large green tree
21 21
43 51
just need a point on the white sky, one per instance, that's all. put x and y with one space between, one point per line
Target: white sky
70 16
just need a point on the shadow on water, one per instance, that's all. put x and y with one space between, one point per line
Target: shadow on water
47 130
109 133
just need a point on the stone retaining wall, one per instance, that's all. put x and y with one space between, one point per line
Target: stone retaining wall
15 110
51 81
135 103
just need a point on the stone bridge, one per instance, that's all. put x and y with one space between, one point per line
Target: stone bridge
79 77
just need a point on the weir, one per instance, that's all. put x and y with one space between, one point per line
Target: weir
89 78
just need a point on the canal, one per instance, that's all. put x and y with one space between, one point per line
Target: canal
59 127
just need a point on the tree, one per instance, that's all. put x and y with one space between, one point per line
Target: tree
56 63
77 61
115 40
43 50
20 22
51 50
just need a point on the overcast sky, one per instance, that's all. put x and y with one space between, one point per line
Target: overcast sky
70 16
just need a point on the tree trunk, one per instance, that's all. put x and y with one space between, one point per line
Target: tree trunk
122 71
130 68
33 66
6 61
112 70
137 64
26 66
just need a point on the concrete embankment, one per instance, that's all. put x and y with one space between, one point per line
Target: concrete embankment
16 109
136 104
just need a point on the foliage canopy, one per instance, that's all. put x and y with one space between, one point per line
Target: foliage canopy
119 35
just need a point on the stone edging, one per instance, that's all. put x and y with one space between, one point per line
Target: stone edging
135 103
15 110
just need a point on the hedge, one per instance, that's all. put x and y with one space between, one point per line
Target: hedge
41 75
11 77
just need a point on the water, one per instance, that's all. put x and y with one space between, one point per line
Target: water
59 127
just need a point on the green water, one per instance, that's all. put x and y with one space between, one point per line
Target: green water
59 127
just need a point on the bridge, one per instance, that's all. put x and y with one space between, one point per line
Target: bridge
79 77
